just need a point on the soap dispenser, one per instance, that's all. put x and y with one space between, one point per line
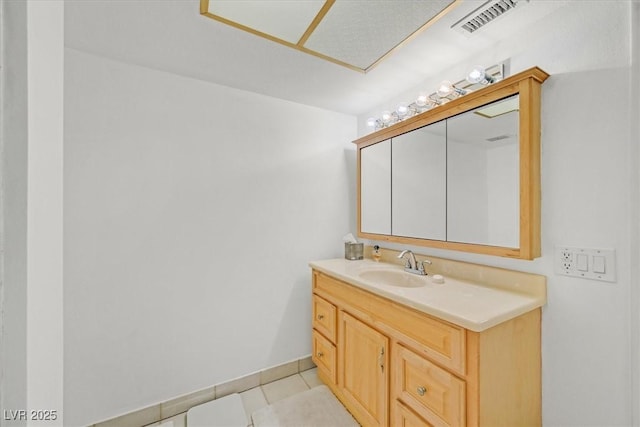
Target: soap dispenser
376 253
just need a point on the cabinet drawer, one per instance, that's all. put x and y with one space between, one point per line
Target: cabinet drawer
405 417
435 394
324 318
324 356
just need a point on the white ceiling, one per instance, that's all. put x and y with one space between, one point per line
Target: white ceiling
171 35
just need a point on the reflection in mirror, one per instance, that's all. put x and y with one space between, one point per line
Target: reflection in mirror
483 195
418 170
375 188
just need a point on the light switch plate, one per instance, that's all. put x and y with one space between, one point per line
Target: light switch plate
588 263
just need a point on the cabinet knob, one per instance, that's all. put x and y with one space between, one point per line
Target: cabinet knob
320 354
421 391
320 316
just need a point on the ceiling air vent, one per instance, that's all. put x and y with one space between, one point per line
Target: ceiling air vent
486 13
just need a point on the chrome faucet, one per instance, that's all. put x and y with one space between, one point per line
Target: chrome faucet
412 265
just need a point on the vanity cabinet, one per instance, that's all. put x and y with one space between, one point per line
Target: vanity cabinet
392 365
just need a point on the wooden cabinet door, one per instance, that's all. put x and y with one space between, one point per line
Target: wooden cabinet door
363 365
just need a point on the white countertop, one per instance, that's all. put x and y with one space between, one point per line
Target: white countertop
472 306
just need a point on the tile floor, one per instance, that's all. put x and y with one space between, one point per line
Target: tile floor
259 397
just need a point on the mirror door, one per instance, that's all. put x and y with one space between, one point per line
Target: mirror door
375 188
418 183
483 175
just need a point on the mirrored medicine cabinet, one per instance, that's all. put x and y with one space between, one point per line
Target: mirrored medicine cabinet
462 176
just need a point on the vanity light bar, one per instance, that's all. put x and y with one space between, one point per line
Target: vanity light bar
477 78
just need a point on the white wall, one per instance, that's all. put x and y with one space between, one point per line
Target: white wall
191 212
13 351
634 229
589 186
32 189
45 56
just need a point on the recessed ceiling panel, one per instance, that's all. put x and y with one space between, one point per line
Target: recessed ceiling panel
285 19
362 32
357 34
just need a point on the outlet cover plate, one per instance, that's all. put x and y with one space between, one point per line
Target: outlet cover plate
587 263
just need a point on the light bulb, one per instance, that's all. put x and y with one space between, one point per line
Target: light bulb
445 89
371 122
386 116
479 75
421 100
402 110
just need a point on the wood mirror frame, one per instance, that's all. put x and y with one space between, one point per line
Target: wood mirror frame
528 85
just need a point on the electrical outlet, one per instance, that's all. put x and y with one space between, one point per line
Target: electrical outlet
588 263
565 260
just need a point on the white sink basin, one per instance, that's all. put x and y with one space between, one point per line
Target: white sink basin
394 278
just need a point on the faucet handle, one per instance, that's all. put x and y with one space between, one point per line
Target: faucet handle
421 265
